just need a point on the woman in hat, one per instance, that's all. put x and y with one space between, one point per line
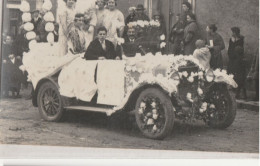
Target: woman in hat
236 64
114 22
186 9
216 44
140 15
190 35
66 17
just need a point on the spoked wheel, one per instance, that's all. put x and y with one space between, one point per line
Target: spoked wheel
154 113
49 102
223 115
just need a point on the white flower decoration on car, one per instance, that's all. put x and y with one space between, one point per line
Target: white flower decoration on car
185 73
190 79
32 44
28 26
163 44
143 105
25 6
26 17
140 23
30 35
128 68
150 122
50 37
155 116
49 27
47 5
153 104
49 17
162 37
200 92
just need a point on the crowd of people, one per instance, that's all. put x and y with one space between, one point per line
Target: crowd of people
96 31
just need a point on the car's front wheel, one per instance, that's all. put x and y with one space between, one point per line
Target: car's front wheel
154 113
225 107
49 102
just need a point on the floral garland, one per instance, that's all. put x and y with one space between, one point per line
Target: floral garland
28 26
144 24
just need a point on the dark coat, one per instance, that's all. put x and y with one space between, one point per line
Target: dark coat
191 35
236 64
176 36
36 24
142 17
12 75
42 33
95 50
216 56
129 18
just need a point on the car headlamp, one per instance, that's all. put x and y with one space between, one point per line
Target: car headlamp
210 75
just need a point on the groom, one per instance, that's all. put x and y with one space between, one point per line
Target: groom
100 48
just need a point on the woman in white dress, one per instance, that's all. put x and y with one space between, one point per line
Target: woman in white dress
65 18
114 22
101 12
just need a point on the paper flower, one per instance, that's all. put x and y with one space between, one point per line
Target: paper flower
155 128
143 105
50 38
47 5
140 23
140 111
153 104
146 23
128 68
162 37
155 116
190 79
162 45
200 92
25 6
188 96
49 27
150 122
22 68
30 35
49 17
185 73
154 111
28 26
212 106
26 17
204 105
32 44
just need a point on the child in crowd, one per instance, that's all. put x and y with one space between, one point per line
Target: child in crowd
202 54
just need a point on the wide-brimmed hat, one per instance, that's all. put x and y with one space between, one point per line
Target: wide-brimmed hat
140 7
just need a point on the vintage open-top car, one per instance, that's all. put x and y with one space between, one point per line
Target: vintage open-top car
158 88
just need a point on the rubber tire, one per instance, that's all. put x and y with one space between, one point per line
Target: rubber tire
43 114
231 114
168 107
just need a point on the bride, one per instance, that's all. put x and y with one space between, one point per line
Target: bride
66 15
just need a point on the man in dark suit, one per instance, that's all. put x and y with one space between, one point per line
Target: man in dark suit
100 48
36 20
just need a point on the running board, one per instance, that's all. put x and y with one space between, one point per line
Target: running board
108 111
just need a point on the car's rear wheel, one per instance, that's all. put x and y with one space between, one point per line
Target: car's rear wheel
49 102
154 113
225 107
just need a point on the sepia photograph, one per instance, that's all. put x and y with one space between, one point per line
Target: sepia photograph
156 79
